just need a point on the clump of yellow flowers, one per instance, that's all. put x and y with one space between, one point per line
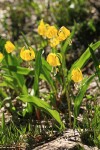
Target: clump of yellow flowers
76 75
54 35
27 54
9 46
1 56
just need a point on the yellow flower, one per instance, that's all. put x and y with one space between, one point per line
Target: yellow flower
63 33
99 66
51 32
1 56
77 75
53 60
9 46
42 28
27 54
54 42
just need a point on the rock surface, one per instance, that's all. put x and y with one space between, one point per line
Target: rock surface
69 141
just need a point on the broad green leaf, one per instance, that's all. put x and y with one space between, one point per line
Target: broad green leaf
96 62
42 105
84 58
19 70
45 73
47 76
79 97
47 66
12 61
38 65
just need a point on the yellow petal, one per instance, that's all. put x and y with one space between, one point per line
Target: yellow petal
51 32
63 33
53 60
22 52
54 42
42 28
27 54
32 53
77 75
9 46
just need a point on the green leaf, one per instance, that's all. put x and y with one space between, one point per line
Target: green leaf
47 76
2 94
9 81
2 43
42 105
96 62
38 64
47 66
8 77
25 39
19 70
6 84
12 61
91 25
46 73
79 97
84 58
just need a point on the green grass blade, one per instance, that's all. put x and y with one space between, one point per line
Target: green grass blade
25 39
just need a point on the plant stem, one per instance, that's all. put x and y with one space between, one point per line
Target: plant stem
69 107
66 87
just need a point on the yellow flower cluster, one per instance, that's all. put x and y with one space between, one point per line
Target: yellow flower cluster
55 36
77 75
52 58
